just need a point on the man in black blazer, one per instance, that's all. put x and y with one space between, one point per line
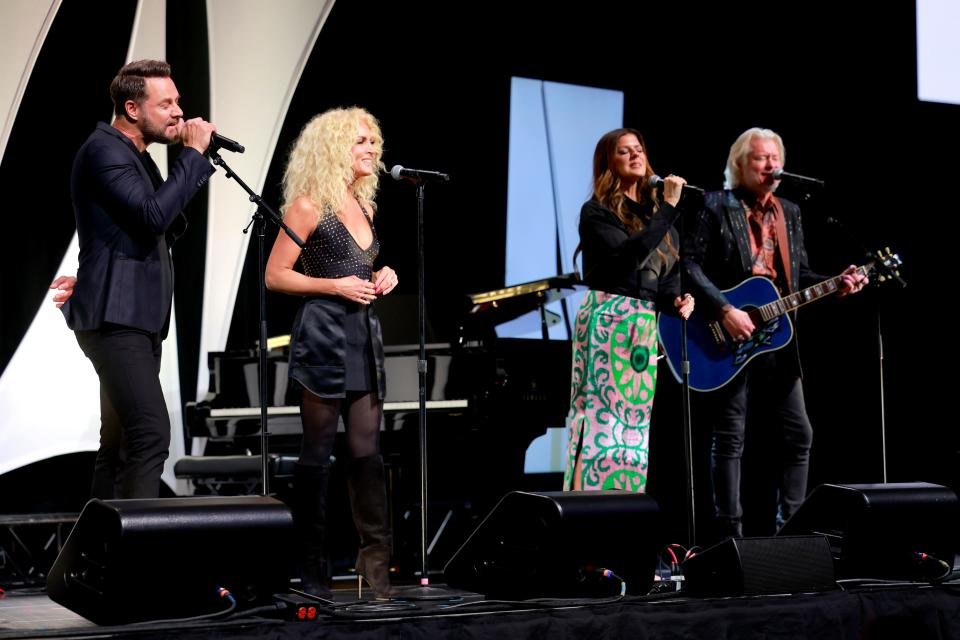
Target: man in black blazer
127 219
743 231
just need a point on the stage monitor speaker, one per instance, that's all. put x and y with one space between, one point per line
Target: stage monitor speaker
556 544
756 566
883 530
137 560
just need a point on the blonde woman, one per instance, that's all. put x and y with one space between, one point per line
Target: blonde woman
336 349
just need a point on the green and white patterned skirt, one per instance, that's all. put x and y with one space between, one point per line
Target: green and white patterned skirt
611 397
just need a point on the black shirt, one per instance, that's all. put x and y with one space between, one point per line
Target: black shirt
642 265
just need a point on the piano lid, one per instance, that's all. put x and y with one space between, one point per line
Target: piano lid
547 290
493 308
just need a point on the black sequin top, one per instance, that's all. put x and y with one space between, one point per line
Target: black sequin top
331 252
336 345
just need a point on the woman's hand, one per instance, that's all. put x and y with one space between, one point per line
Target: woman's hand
684 305
673 189
65 284
384 281
354 289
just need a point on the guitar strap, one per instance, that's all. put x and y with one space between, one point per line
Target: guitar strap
782 244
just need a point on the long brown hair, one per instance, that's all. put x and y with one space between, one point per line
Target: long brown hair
608 188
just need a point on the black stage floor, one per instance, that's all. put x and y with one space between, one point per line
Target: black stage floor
862 611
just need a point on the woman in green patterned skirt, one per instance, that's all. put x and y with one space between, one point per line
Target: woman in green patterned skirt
630 263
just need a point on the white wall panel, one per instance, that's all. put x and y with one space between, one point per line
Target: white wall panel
257 53
23 28
49 391
554 128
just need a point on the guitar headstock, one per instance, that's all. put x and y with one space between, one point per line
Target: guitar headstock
887 265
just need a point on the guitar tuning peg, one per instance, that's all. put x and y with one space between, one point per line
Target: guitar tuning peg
887 249
882 278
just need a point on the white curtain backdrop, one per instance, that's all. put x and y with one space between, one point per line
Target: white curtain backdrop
49 393
251 86
22 31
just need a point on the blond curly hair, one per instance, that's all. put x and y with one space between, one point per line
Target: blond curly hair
320 166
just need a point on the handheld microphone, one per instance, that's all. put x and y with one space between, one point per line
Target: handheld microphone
656 181
218 141
780 174
417 175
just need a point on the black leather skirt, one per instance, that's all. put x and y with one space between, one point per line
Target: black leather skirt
337 346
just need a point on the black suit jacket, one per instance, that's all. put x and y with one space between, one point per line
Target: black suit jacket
125 228
717 256
717 251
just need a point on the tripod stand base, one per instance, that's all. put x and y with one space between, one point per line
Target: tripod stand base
427 592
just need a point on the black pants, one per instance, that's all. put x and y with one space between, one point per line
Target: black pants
772 394
134 424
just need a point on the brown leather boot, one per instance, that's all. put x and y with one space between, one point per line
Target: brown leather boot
371 515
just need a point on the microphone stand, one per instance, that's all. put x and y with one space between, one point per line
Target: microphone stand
425 591
884 275
685 402
688 192
883 404
805 194
259 224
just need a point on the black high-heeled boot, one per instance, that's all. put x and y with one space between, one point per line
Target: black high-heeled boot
309 509
368 499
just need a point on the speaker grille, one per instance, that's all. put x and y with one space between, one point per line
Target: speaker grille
755 566
789 564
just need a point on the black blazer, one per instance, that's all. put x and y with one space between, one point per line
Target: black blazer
125 228
719 245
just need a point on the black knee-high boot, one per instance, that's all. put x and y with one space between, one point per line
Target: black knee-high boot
309 508
368 499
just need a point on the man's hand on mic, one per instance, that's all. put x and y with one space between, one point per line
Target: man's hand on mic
196 133
851 281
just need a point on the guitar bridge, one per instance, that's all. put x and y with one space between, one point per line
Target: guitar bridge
716 332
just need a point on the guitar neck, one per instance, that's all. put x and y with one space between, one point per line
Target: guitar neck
805 296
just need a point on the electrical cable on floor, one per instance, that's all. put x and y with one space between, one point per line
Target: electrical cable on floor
223 593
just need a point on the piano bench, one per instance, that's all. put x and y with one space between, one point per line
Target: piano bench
230 475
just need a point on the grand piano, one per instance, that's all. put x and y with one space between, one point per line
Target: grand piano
230 411
488 398
479 375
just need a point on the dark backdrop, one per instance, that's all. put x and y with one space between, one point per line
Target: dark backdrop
838 83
